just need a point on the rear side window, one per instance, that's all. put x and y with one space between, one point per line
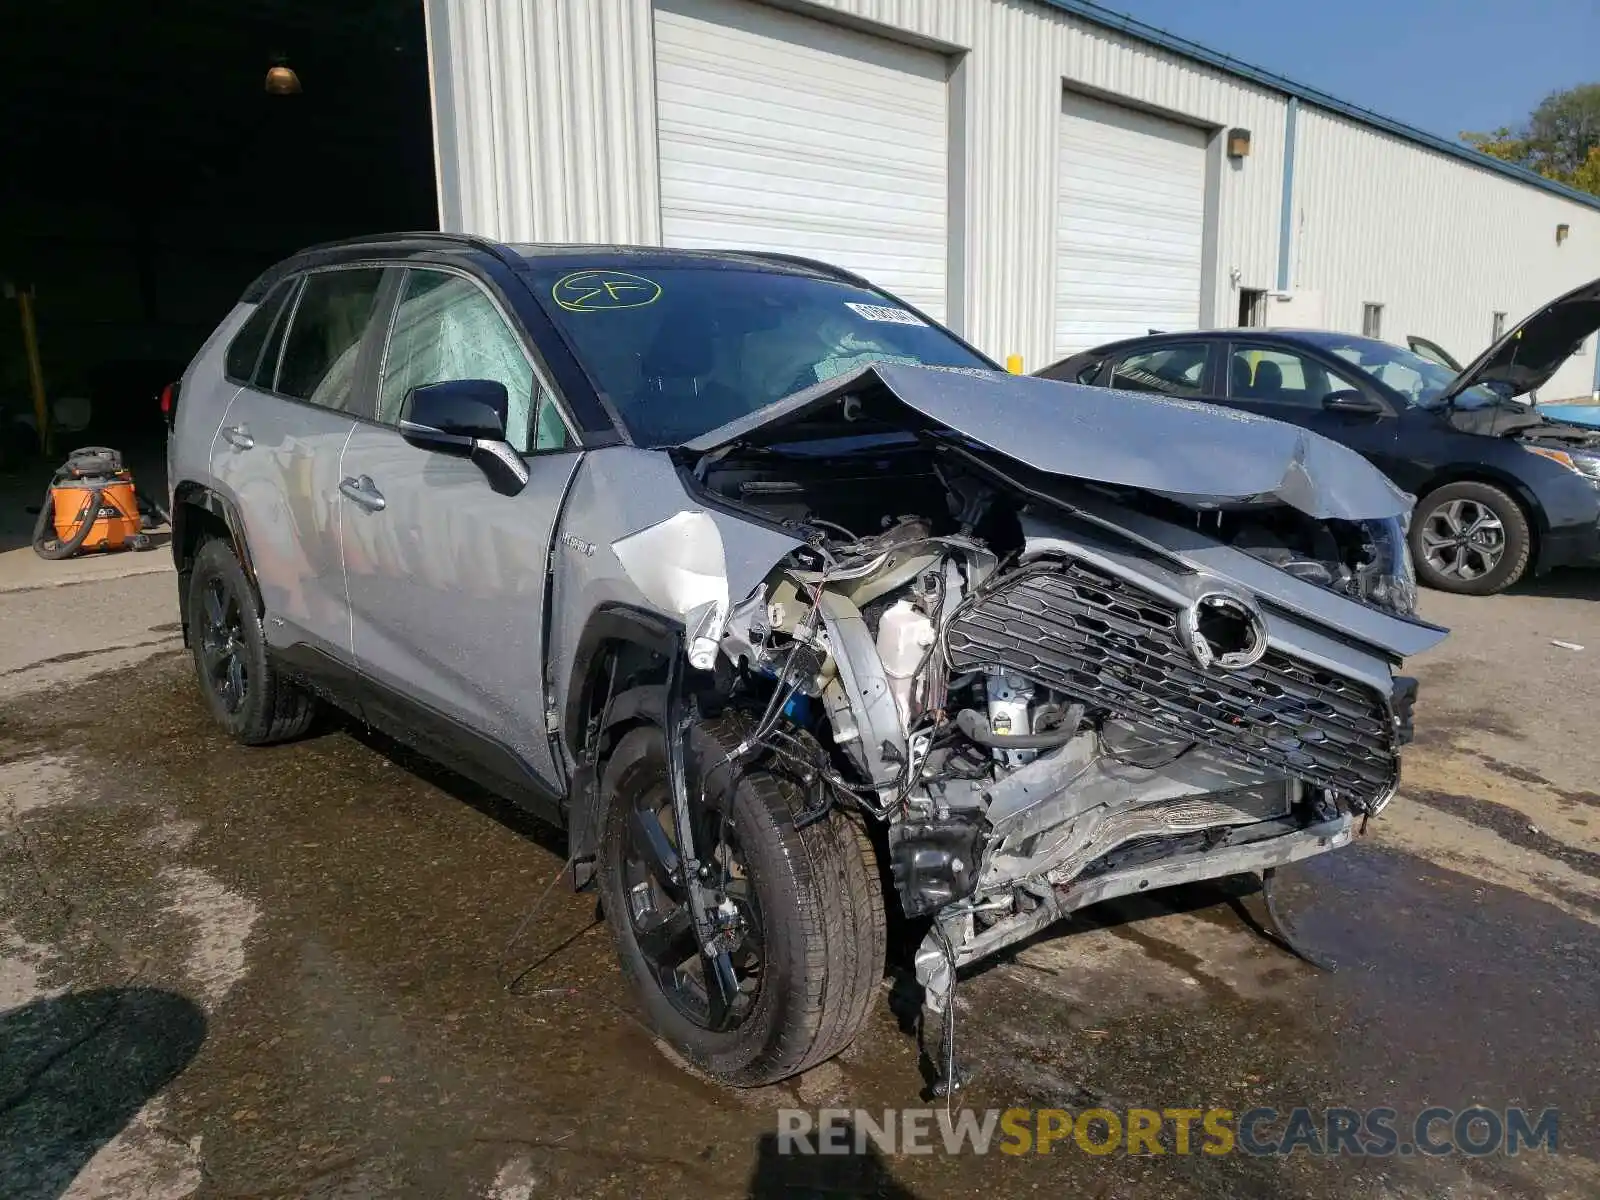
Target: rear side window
324 339
245 349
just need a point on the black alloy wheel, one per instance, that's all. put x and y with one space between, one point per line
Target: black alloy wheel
716 993
1471 538
222 644
244 690
796 916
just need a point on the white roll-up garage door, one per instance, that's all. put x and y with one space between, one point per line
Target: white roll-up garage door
778 132
1130 224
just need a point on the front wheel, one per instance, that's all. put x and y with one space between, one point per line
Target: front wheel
1471 538
804 912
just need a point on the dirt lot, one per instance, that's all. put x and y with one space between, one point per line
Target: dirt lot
285 973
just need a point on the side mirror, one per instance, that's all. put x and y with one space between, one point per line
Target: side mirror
466 417
1352 402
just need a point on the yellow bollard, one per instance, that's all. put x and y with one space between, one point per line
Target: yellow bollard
1014 363
30 350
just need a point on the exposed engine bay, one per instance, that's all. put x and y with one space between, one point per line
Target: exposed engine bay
1053 691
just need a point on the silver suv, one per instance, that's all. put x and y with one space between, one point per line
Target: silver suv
754 578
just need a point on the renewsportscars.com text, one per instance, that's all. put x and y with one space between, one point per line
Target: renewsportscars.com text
1475 1131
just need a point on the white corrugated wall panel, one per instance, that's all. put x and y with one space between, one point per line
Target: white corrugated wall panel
543 119
780 133
547 113
1131 225
1441 244
1019 59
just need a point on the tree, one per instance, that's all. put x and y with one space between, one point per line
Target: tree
1560 141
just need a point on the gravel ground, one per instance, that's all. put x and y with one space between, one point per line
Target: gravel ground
284 972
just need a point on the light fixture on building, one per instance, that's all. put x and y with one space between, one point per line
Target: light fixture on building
1238 143
281 80
1561 233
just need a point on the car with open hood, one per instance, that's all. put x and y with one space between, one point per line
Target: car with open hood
1502 486
789 606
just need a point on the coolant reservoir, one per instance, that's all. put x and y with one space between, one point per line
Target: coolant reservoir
904 636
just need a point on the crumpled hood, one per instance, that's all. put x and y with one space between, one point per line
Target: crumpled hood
1128 439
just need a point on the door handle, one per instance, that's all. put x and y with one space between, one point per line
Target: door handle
238 437
364 492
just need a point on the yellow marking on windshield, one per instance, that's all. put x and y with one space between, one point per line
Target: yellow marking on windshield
599 290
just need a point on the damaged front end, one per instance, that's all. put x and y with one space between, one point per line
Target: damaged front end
1057 659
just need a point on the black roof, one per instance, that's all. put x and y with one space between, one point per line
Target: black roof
554 256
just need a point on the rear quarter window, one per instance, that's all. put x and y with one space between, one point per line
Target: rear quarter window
244 352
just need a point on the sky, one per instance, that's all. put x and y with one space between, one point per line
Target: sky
1441 65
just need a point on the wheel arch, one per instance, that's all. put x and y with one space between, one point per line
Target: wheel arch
614 681
200 513
1538 522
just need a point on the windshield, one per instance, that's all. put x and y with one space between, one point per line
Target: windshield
682 350
1420 381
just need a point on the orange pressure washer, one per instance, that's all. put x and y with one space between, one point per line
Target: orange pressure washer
91 505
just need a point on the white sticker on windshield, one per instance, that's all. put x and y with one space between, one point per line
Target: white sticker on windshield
884 314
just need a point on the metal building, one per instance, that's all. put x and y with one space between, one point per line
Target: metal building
1043 175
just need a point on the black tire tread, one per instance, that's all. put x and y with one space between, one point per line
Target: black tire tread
848 937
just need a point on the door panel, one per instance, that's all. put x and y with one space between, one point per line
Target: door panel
278 461
446 577
277 454
1286 385
447 585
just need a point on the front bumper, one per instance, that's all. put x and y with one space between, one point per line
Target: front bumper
1576 545
935 965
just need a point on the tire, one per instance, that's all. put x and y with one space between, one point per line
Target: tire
1478 568
254 703
817 900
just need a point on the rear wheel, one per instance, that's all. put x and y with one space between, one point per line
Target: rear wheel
245 693
804 913
1471 538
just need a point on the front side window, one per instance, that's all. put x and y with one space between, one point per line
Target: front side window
1178 370
324 339
1276 376
445 327
679 351
244 352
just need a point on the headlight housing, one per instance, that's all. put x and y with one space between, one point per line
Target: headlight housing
1389 580
1587 465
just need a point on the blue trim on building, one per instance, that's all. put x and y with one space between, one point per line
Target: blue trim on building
1286 213
1107 19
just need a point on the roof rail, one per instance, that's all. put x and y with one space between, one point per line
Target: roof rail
264 281
476 241
801 260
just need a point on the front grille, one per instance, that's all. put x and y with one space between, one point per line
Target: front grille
1112 645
